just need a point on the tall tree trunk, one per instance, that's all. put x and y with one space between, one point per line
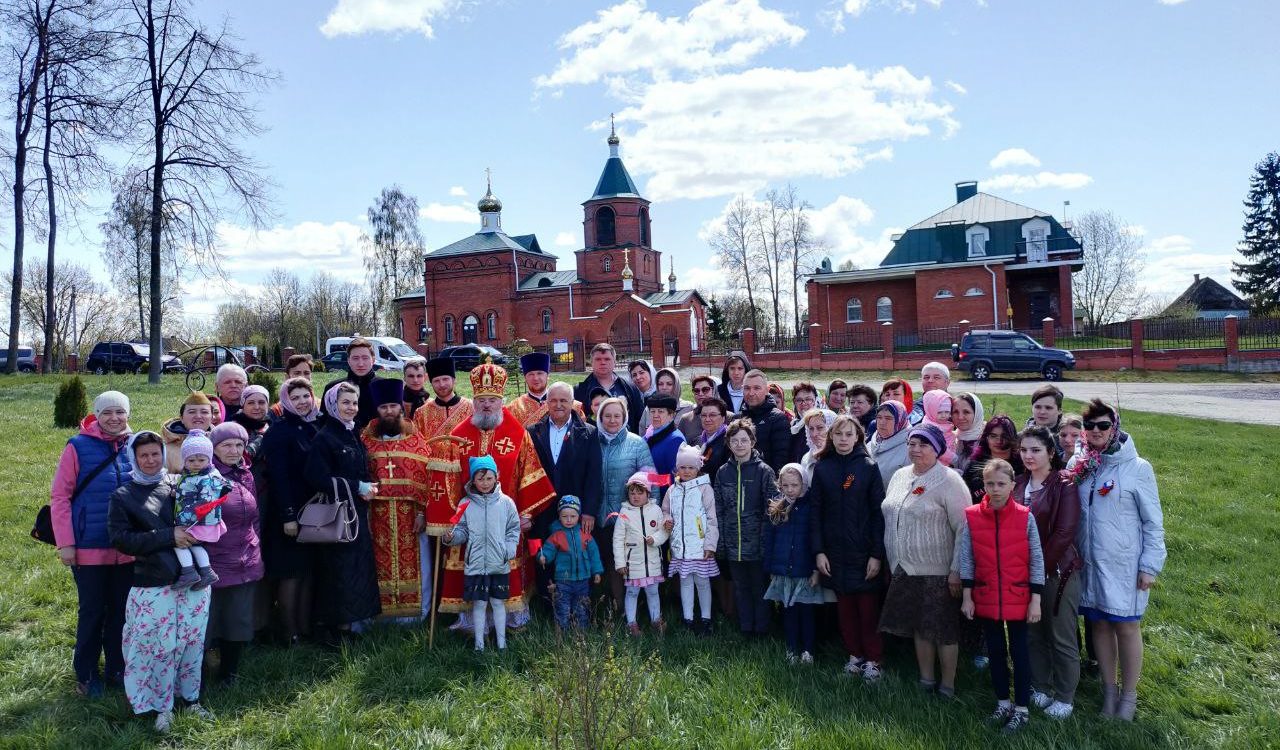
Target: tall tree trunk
50 320
19 230
157 202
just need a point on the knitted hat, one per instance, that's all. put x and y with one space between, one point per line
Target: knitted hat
224 431
641 478
662 401
252 389
689 456
535 362
109 399
197 443
387 391
931 435
571 502
482 463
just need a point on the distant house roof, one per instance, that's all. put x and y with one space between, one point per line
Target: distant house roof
415 293
1205 294
615 182
548 280
482 242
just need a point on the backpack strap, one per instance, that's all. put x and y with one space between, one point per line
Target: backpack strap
80 486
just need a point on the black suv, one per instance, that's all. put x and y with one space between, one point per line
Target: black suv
118 356
981 353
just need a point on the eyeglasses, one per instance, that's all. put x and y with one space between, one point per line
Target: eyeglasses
1102 425
705 389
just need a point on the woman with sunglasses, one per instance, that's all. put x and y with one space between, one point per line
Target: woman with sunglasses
1122 540
999 439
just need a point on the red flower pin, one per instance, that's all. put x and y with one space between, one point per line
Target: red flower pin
918 491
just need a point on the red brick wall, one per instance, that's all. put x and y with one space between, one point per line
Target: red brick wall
937 313
827 304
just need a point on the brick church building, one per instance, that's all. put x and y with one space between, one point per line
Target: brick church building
495 288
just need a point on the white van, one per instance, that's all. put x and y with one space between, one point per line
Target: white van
390 353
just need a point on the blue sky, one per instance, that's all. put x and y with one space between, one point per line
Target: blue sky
1154 109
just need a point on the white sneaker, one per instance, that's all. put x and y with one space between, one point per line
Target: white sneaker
853 666
1040 700
870 671
163 720
806 658
200 711
791 657
1059 710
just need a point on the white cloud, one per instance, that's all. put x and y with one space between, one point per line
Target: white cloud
1171 2
1169 244
1173 262
961 90
707 280
354 17
855 8
202 299
626 39
736 132
1014 157
450 213
457 191
566 239
304 248
1019 183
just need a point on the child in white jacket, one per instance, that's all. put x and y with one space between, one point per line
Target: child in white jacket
637 551
689 508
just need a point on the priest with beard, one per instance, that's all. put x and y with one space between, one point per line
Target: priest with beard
399 459
493 431
531 406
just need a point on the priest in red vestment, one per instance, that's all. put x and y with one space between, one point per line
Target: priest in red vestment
531 406
437 418
493 431
399 462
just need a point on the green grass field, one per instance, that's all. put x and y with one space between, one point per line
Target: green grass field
1212 672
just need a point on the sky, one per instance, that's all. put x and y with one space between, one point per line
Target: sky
1156 110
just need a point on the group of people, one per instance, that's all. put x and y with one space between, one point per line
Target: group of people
912 516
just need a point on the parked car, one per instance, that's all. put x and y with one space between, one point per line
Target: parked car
981 353
337 361
467 356
389 352
26 359
125 356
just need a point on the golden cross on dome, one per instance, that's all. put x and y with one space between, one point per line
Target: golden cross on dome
626 261
488 179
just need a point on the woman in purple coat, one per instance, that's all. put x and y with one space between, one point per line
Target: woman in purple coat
237 556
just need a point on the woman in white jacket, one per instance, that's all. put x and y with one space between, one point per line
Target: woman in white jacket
689 510
1121 537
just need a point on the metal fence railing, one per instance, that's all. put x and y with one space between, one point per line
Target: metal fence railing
717 348
1259 333
1177 333
928 339
857 340
1106 336
773 344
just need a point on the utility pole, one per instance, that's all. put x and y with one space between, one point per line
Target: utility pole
75 325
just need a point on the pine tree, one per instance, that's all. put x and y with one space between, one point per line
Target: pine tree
1259 276
715 320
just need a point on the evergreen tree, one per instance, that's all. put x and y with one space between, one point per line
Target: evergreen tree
715 320
1259 276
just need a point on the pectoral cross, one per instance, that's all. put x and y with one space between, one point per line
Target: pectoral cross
391 469
504 446
437 491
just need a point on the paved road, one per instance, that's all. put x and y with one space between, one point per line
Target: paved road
1253 403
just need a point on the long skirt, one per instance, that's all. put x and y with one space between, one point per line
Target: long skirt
163 645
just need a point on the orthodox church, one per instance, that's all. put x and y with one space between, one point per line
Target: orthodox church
494 288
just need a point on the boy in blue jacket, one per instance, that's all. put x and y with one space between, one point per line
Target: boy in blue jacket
576 559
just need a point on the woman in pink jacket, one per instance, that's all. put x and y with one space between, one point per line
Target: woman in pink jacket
92 466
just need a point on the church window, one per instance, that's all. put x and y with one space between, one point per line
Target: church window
648 262
608 264
644 227
884 309
448 329
491 326
853 310
605 234
546 320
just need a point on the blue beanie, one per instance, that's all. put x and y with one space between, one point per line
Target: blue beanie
570 501
480 463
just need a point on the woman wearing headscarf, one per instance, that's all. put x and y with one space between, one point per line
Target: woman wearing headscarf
667 381
285 447
350 580
1122 540
999 439
923 511
164 625
897 389
91 467
968 419
736 367
888 444
814 424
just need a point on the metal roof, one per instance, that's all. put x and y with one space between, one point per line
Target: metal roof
548 280
415 293
980 209
481 242
615 182
669 298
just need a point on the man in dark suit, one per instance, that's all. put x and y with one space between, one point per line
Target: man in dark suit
569 452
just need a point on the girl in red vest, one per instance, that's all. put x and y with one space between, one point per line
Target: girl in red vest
1001 565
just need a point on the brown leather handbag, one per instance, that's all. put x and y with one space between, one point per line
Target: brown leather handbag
329 518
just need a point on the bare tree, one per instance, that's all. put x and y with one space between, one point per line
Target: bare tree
802 246
771 249
733 245
98 312
393 253
126 250
1107 289
192 96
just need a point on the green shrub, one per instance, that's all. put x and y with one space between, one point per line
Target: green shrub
317 366
266 380
71 404
144 368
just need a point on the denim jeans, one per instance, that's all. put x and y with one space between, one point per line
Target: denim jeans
571 599
1018 651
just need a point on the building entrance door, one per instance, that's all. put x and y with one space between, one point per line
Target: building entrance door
470 329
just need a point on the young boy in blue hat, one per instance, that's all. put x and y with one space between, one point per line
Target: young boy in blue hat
576 559
490 527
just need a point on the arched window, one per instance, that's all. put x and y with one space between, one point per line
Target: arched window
491 326
607 264
853 310
974 291
943 293
448 329
422 330
648 262
546 320
604 227
884 309
644 227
